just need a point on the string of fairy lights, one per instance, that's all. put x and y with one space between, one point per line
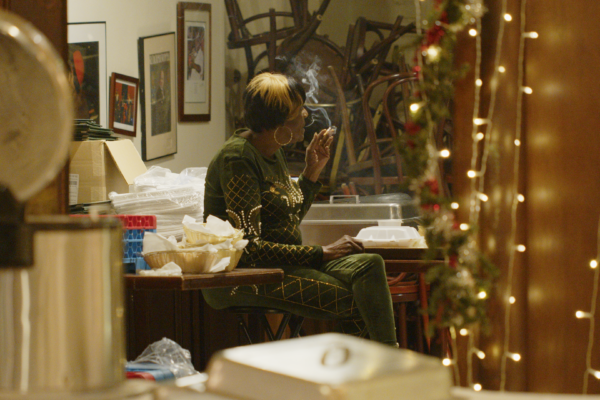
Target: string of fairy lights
482 130
479 195
482 136
591 316
517 197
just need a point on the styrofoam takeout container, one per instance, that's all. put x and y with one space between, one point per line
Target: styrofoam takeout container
388 236
389 222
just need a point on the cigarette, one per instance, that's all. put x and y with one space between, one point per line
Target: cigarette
332 130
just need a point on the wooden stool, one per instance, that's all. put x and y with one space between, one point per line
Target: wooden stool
294 321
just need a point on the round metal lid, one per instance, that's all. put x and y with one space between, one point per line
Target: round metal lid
36 108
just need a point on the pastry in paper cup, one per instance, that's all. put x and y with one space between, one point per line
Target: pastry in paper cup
195 238
193 262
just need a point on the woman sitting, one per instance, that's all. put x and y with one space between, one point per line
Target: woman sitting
248 183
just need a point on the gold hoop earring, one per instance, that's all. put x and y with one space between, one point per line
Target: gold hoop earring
286 143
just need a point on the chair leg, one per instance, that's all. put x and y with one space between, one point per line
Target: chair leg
266 326
424 306
402 325
293 321
250 62
420 344
242 325
282 325
296 326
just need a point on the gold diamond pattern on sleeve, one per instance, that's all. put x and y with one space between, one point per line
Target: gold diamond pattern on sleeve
278 241
242 197
241 193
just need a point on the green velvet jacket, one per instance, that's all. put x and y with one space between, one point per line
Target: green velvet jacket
257 195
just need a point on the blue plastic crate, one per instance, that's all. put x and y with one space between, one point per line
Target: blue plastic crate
132 265
129 267
136 234
132 248
140 263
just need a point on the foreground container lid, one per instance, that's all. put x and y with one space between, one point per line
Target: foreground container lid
328 366
36 108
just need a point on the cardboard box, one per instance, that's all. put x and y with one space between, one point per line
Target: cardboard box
100 167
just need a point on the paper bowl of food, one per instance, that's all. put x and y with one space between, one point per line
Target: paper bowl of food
194 262
213 231
194 237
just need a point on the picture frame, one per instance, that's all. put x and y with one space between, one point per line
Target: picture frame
157 57
87 70
123 104
194 42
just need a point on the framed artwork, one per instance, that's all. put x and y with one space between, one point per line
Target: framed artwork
157 95
87 70
193 56
122 117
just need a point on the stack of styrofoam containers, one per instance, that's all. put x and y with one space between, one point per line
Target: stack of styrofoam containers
167 195
134 228
168 205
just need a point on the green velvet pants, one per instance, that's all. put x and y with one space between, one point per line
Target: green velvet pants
352 290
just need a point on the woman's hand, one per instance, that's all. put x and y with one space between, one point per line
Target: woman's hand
317 154
344 246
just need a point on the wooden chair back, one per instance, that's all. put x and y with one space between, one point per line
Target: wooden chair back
369 63
379 147
303 26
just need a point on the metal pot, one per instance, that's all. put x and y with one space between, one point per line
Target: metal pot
62 322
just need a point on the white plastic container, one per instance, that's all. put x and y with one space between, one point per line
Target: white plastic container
329 366
390 236
389 222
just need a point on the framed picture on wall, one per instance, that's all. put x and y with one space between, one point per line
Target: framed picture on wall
87 70
157 95
193 56
122 108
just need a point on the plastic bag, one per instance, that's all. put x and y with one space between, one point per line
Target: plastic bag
168 353
158 178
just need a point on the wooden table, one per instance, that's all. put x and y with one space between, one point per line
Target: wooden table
400 259
173 307
237 277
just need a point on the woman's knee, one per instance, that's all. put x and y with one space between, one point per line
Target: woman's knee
374 261
371 263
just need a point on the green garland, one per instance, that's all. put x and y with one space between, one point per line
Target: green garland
461 284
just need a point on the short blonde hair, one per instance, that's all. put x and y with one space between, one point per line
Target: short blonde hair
271 99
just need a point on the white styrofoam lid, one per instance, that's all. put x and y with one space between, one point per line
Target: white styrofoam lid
329 358
388 233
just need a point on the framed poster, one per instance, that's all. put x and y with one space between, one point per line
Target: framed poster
157 95
122 108
193 56
87 70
